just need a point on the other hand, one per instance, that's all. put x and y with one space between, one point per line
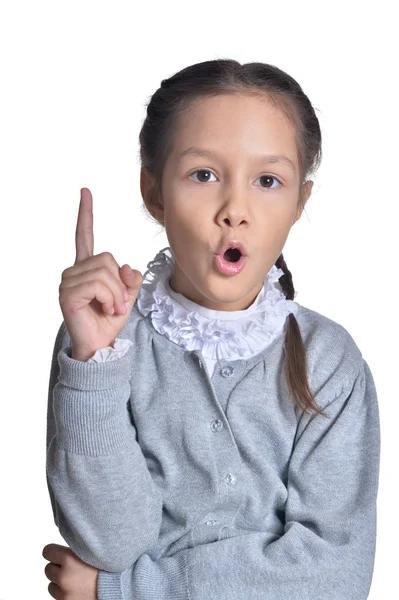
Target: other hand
70 577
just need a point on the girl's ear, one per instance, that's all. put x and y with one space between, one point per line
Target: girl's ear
146 182
306 190
149 194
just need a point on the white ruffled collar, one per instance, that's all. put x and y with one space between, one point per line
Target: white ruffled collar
217 334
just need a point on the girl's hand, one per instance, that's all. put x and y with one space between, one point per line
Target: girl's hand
71 578
92 288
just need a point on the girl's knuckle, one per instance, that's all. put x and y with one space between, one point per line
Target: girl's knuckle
65 273
108 258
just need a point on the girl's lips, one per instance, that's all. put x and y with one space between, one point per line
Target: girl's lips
232 244
230 268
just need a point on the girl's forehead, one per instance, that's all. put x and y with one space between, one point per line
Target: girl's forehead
240 114
234 123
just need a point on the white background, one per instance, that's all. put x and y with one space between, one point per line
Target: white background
74 80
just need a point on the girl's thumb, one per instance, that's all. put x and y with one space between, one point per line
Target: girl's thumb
132 280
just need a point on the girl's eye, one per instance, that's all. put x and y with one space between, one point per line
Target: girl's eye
265 178
201 171
268 178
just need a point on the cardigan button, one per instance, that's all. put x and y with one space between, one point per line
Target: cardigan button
216 425
227 371
230 478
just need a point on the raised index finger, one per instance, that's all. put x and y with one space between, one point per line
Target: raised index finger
84 237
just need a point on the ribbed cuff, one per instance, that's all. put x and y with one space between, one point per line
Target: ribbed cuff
109 586
163 579
83 375
89 404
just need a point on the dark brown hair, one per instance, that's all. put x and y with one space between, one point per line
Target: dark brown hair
226 76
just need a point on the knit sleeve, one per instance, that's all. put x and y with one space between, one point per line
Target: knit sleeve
104 501
327 549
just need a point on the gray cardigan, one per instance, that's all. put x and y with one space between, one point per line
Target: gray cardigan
177 486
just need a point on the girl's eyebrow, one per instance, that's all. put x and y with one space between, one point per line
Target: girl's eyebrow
268 158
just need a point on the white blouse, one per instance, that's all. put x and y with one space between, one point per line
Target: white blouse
218 334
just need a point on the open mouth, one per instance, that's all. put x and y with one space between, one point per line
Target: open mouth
232 255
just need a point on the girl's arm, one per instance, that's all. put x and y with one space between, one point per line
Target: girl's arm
104 501
328 546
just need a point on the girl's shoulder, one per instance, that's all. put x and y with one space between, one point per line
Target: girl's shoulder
331 350
316 327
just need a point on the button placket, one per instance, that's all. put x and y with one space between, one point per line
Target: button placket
217 425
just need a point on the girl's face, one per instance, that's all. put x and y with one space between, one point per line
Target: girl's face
236 193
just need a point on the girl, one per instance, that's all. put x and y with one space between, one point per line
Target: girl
216 439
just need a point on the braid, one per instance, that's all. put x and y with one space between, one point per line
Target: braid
286 279
294 349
